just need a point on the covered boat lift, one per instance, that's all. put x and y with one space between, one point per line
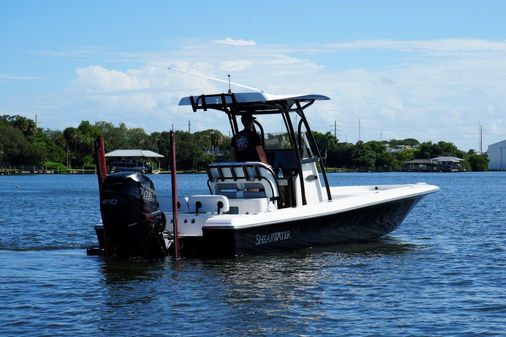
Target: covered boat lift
133 160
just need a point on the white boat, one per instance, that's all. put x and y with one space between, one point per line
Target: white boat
255 208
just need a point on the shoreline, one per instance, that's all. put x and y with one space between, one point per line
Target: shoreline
16 172
19 172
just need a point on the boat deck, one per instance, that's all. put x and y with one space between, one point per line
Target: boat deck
345 198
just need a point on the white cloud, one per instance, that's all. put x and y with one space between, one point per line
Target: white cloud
441 97
236 42
98 79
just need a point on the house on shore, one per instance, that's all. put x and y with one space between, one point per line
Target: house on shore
437 164
497 156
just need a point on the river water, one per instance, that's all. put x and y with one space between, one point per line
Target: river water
441 273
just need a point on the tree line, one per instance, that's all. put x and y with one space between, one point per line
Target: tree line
22 143
390 155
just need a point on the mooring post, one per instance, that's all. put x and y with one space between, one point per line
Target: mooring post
100 160
174 194
101 167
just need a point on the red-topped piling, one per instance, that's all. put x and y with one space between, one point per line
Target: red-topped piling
100 162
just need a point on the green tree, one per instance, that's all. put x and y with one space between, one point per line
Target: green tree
326 143
341 156
405 155
15 149
161 142
411 142
114 137
384 160
25 125
364 158
429 150
52 145
138 139
188 151
73 140
477 162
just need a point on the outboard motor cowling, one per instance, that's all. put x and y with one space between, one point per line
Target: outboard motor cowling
133 222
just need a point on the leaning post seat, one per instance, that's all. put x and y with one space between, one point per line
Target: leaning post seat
208 204
243 180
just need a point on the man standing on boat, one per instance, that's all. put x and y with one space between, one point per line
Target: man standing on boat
246 144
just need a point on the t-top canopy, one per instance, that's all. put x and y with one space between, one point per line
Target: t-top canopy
246 97
134 153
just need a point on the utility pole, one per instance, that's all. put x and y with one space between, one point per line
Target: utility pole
359 135
481 138
189 127
335 129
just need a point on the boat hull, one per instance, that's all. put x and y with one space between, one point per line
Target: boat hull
358 225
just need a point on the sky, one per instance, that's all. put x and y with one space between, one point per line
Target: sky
429 70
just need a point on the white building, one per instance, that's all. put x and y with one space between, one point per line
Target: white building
497 156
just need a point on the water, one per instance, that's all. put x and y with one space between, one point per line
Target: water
441 273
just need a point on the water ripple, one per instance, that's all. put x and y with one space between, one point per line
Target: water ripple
441 273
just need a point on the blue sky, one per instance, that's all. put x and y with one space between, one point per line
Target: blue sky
432 70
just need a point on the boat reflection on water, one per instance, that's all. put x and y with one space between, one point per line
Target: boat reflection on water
298 261
252 294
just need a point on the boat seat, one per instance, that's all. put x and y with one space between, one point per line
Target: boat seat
242 180
165 202
226 189
208 204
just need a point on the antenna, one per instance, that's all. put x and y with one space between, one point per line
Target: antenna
216 79
229 90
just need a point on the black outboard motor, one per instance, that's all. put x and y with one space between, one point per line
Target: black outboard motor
133 222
